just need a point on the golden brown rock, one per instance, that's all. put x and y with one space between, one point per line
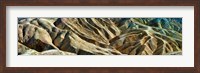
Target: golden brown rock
99 36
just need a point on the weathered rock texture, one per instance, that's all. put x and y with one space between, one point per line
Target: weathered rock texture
99 36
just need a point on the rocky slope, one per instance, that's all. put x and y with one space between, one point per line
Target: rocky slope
99 36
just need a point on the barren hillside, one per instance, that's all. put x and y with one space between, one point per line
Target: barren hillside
99 36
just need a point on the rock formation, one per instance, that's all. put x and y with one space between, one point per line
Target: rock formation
99 36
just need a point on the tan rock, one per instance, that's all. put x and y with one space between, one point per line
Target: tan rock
99 36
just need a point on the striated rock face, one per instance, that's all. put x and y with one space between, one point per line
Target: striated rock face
99 36
147 39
